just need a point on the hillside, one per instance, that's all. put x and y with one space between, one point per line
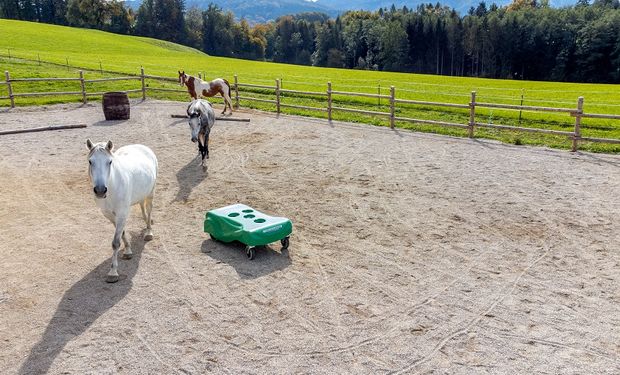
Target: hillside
126 54
86 47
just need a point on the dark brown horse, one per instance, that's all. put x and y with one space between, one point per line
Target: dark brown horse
198 88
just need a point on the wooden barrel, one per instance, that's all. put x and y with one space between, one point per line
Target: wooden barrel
116 106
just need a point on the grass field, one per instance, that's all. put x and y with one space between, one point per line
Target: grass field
117 54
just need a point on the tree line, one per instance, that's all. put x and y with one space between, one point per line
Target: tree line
524 40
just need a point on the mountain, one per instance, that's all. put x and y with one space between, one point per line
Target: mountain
461 6
265 10
258 11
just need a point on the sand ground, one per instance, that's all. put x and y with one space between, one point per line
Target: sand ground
411 253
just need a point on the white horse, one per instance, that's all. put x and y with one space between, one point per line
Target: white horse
121 179
201 120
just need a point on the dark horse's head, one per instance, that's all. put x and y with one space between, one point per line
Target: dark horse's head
201 118
182 78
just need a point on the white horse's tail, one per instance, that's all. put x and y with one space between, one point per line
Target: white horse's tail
227 96
228 85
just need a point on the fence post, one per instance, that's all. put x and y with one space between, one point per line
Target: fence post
392 107
143 85
200 75
329 101
578 114
472 114
83 87
236 93
521 110
278 96
8 85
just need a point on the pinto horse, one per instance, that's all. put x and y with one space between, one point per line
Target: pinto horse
121 179
198 88
201 120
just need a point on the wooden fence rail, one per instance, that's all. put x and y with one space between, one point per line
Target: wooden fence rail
303 107
432 122
257 86
596 115
112 79
519 128
347 93
159 78
279 94
43 79
311 93
524 107
432 104
49 93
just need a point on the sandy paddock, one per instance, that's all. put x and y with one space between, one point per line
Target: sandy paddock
411 253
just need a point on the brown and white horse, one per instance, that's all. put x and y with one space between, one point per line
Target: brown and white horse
198 88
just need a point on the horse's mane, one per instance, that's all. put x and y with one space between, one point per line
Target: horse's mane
205 110
196 79
197 105
99 146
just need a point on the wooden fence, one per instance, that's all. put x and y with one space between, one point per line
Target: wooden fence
277 89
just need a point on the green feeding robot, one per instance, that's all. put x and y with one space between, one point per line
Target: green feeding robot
242 223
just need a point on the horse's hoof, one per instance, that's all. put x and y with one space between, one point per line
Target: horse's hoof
148 236
127 256
111 278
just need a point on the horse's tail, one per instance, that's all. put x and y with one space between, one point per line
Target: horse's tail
227 84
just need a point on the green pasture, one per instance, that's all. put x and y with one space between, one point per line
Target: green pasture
104 54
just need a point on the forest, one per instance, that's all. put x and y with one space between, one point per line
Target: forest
526 39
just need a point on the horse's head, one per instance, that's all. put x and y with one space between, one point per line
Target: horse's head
195 119
182 78
100 163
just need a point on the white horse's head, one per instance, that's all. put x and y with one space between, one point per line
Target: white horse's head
182 78
100 160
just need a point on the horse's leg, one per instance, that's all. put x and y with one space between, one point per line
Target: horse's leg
203 150
144 215
228 101
207 145
121 220
223 95
148 202
127 254
143 210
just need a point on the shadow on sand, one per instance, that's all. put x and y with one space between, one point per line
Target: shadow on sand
109 122
80 306
188 177
599 159
177 122
267 259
